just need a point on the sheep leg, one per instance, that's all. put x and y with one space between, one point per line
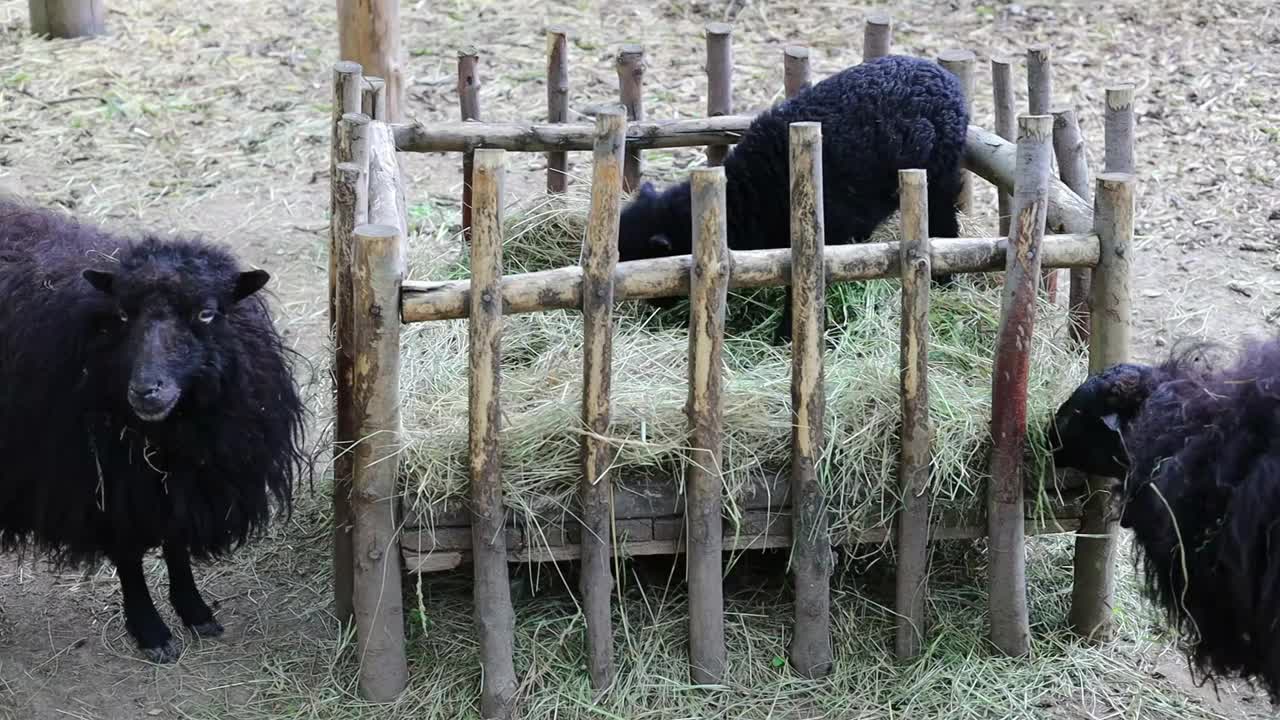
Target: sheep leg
185 596
140 616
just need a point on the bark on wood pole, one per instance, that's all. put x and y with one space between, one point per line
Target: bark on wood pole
600 257
557 102
810 647
1002 93
1093 587
68 18
1039 102
795 69
630 66
545 137
1073 169
993 159
877 36
1010 626
1118 130
561 288
375 295
495 618
342 204
912 544
960 63
369 33
469 109
708 293
374 101
719 81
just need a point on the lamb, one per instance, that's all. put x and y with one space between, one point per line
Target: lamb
147 402
878 117
1196 450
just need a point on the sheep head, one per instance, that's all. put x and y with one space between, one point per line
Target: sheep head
656 224
1087 430
165 313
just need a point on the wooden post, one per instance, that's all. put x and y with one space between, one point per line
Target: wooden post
469 108
1039 102
68 18
1093 588
353 147
495 618
1010 626
369 33
708 293
1073 170
1118 130
599 258
916 454
810 647
795 70
374 102
375 296
719 81
347 80
877 36
960 63
1002 91
557 102
630 67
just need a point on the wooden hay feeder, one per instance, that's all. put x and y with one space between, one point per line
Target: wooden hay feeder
1051 226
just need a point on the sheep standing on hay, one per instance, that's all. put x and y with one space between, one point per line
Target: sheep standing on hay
146 402
878 117
1198 449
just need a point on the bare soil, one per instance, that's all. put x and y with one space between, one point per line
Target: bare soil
211 116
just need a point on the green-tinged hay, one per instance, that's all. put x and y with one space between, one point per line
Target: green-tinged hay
542 385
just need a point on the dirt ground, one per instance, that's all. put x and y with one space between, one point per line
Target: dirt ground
211 116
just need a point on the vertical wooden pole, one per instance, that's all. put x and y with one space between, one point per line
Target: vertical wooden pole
1039 102
916 454
1118 130
795 70
557 102
1002 92
1010 626
599 258
708 293
810 647
369 33
374 102
630 66
1093 588
469 109
68 18
960 63
877 36
353 147
719 81
495 618
375 310
347 80
1073 170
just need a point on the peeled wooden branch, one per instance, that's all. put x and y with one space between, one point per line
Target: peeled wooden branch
719 81
68 18
1073 168
1007 597
669 276
960 63
1002 92
469 109
1118 130
795 71
546 137
557 102
811 557
600 256
630 66
1039 99
342 224
369 33
877 36
993 158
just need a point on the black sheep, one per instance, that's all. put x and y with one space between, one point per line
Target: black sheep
878 117
147 402
1196 450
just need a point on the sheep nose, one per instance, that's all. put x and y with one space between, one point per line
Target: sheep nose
149 390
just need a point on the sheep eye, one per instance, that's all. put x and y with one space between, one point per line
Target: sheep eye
124 315
206 316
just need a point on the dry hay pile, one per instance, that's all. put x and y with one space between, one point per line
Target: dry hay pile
541 388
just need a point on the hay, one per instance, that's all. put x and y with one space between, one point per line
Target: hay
541 388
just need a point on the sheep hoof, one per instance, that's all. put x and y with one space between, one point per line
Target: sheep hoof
163 654
210 629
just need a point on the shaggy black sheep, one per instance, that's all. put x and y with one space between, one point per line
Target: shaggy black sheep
146 402
878 117
1196 449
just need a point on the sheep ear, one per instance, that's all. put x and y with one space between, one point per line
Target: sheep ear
1112 421
100 280
248 283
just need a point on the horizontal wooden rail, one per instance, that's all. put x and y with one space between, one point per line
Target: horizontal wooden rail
548 137
561 289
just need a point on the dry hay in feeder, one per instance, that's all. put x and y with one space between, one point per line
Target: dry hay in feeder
541 388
